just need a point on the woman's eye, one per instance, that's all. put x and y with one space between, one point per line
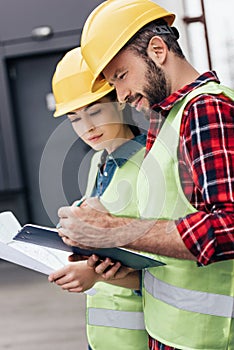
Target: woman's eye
93 113
75 120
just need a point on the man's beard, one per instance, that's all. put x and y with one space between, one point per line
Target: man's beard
156 89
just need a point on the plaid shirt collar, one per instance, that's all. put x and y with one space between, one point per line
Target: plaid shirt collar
169 102
160 111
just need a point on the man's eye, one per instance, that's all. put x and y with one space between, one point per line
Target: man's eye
122 76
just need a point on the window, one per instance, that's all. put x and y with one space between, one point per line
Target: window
211 42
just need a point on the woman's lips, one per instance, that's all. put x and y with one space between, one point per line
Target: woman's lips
94 138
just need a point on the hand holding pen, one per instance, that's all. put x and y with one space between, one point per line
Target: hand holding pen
86 225
77 203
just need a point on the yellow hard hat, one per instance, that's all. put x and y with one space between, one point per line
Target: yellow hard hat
72 82
109 27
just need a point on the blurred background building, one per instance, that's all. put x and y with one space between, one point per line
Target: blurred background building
42 164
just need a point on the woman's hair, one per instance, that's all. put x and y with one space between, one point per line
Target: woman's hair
139 42
127 114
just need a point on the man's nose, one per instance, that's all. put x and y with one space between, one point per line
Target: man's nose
122 94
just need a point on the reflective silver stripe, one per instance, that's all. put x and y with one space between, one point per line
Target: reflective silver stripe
116 318
189 300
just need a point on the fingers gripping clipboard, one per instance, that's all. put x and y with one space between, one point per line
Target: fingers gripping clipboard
48 237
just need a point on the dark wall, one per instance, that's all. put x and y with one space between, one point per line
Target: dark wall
35 148
20 17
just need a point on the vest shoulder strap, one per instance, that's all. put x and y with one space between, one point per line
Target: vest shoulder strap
212 88
93 173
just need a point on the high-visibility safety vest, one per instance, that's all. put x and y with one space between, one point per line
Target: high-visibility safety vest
115 318
185 306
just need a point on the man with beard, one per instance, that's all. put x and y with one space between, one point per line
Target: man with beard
186 186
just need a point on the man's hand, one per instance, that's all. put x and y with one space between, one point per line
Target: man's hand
91 225
114 273
107 269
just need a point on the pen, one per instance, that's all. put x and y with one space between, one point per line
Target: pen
78 204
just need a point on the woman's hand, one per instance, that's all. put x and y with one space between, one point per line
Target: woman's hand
75 277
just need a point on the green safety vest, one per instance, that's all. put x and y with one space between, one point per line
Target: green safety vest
185 306
115 318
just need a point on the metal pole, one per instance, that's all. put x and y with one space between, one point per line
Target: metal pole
206 35
201 19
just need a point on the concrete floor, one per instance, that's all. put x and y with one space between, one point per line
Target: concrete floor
37 315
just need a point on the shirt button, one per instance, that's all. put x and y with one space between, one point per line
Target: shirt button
105 173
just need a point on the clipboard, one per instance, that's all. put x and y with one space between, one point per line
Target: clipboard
48 237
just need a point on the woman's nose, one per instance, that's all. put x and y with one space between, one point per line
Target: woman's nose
88 125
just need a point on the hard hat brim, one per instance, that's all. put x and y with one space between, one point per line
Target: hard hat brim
82 101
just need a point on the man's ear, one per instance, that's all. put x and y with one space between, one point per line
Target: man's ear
157 50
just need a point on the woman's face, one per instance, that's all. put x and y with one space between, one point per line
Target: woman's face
99 124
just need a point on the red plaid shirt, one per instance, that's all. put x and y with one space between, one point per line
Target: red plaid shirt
206 164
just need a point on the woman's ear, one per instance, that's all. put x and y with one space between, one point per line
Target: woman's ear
157 50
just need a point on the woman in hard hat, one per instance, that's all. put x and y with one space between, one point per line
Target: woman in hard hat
114 314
